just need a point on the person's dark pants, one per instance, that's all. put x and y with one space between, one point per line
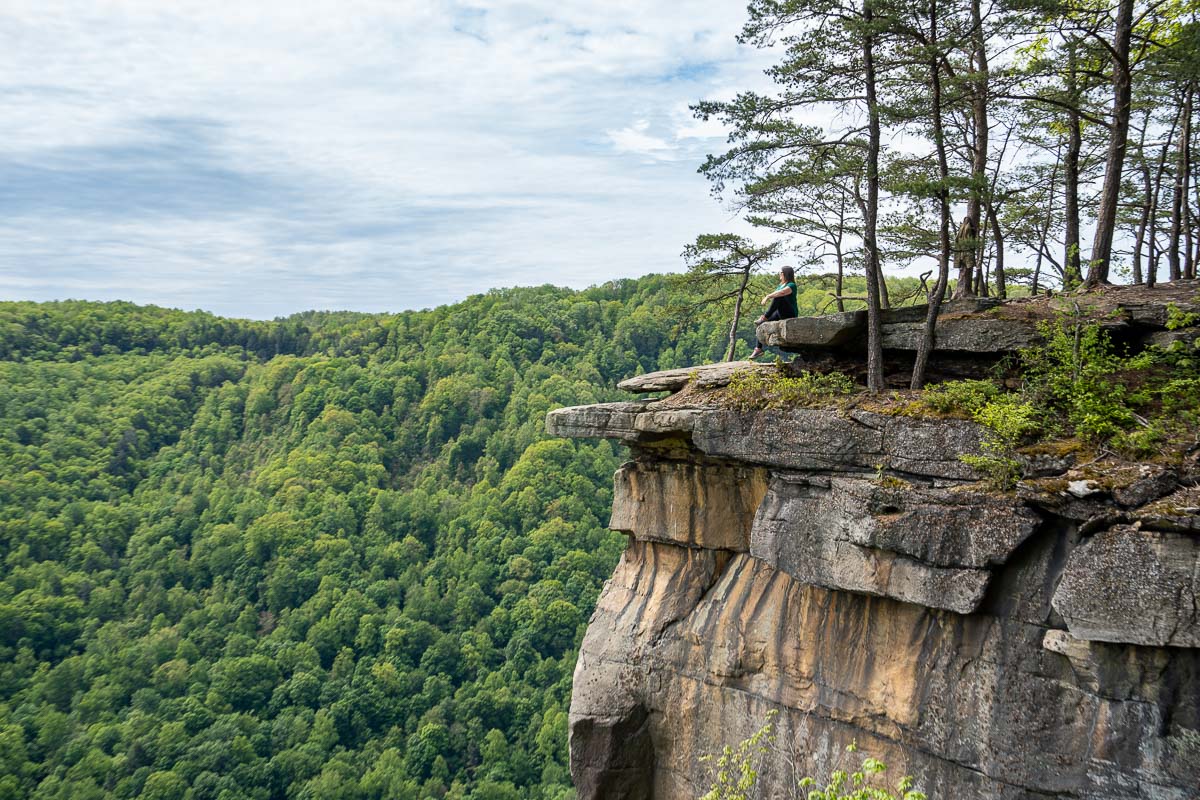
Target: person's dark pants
776 311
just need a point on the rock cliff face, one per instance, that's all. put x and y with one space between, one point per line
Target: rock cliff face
843 569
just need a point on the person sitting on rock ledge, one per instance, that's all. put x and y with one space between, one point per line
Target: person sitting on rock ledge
783 304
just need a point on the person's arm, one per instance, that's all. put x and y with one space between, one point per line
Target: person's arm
784 292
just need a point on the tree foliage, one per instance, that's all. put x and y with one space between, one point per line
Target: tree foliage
329 556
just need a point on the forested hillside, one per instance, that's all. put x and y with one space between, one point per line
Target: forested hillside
331 556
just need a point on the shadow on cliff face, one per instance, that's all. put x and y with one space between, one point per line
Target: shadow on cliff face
614 758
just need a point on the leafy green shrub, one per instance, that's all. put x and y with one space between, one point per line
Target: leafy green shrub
1008 419
1076 383
734 774
1140 442
1180 396
857 785
1001 472
1071 376
752 389
960 397
1178 318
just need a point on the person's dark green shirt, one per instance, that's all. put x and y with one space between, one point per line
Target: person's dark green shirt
789 302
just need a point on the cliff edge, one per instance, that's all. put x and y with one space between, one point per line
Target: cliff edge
843 567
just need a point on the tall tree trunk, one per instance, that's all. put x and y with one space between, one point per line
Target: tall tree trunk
1071 271
1194 218
929 334
837 287
737 314
871 211
1139 238
1152 253
1185 171
964 260
998 240
1178 192
981 267
1045 231
885 296
841 261
979 155
1118 142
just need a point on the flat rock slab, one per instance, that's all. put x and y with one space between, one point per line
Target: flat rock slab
1134 587
902 329
824 439
964 335
796 439
953 527
672 380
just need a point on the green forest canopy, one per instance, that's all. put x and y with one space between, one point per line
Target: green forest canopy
329 556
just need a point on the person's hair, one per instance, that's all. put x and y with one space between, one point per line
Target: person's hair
789 275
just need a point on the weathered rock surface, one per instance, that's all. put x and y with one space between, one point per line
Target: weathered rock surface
1175 512
1135 586
1167 339
710 507
841 568
788 439
606 421
858 441
974 705
970 335
925 546
901 329
986 326
826 330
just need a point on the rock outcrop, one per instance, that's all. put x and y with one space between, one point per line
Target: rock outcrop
844 569
974 334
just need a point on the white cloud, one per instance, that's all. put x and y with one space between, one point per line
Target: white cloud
635 139
195 152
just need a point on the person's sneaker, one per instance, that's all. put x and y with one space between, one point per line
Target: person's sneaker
755 354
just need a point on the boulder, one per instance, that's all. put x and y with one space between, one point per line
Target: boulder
825 330
1133 586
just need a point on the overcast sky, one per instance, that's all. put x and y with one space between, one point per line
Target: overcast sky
257 159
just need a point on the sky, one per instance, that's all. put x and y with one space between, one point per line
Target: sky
256 159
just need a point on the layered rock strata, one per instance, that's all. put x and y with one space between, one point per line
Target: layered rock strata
992 326
843 569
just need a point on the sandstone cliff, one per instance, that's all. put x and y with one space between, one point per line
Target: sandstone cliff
843 567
